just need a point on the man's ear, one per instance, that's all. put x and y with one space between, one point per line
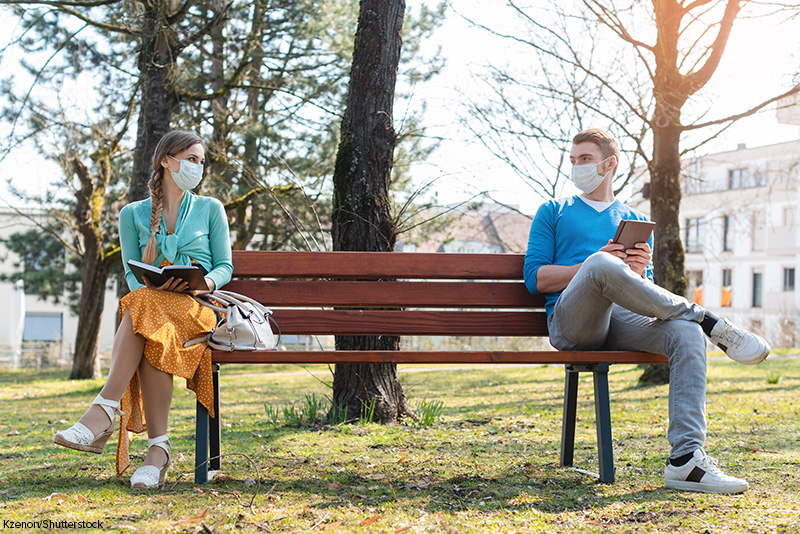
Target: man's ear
616 162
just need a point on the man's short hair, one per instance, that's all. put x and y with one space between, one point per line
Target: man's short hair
605 141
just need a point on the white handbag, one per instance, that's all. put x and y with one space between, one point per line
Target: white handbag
245 325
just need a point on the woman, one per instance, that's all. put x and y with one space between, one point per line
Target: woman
173 226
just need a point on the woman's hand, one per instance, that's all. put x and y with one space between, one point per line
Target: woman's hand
211 287
173 284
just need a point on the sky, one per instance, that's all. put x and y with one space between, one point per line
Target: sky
462 168
759 56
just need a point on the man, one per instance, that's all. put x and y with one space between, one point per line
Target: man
599 296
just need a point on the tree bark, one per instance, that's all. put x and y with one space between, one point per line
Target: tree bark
361 205
85 363
159 98
95 266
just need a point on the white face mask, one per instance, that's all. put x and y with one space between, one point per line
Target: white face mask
586 178
188 175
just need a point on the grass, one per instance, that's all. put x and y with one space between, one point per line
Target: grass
488 461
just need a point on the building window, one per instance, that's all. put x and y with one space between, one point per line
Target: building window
694 285
42 327
788 279
727 233
694 235
757 282
727 277
727 288
738 178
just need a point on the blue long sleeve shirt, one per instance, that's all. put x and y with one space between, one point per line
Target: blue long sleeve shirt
201 234
566 232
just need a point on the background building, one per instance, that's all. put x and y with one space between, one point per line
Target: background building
36 332
738 216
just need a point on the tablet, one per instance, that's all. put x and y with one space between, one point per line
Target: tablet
630 232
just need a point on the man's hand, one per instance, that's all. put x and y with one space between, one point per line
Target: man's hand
637 258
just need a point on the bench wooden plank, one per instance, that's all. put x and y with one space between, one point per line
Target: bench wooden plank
436 357
387 294
454 295
364 265
417 322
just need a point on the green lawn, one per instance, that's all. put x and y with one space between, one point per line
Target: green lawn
490 464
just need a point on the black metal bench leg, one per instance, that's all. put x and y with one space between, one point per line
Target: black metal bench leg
602 410
201 446
215 424
568 418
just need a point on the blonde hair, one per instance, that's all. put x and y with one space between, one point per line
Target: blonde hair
172 143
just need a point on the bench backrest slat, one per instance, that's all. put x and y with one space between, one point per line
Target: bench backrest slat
391 293
388 294
402 323
366 265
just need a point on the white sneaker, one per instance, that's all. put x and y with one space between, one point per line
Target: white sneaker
740 345
701 473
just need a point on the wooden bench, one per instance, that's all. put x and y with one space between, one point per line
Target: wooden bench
427 295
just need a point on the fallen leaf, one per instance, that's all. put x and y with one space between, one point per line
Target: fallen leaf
82 498
402 528
401 460
120 526
331 526
369 521
448 528
422 484
57 496
191 520
334 486
377 476
217 525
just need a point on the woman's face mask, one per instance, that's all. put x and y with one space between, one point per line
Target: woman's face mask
188 174
586 178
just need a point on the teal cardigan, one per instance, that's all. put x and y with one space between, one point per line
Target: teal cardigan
201 234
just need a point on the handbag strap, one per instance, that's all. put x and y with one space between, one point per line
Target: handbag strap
239 300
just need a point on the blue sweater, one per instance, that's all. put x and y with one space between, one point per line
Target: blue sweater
201 234
566 232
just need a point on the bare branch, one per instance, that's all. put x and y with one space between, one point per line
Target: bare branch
699 78
751 111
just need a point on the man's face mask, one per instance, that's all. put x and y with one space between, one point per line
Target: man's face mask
586 178
188 175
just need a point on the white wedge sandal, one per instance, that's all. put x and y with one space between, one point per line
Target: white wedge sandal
80 438
150 476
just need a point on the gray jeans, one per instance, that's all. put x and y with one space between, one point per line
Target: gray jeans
608 306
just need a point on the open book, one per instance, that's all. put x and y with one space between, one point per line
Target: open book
158 276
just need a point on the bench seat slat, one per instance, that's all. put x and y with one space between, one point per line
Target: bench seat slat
435 357
273 293
423 323
364 265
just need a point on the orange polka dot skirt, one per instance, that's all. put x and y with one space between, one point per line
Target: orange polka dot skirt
166 320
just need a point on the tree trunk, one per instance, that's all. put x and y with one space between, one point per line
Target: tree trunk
85 363
665 202
361 205
158 96
95 265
